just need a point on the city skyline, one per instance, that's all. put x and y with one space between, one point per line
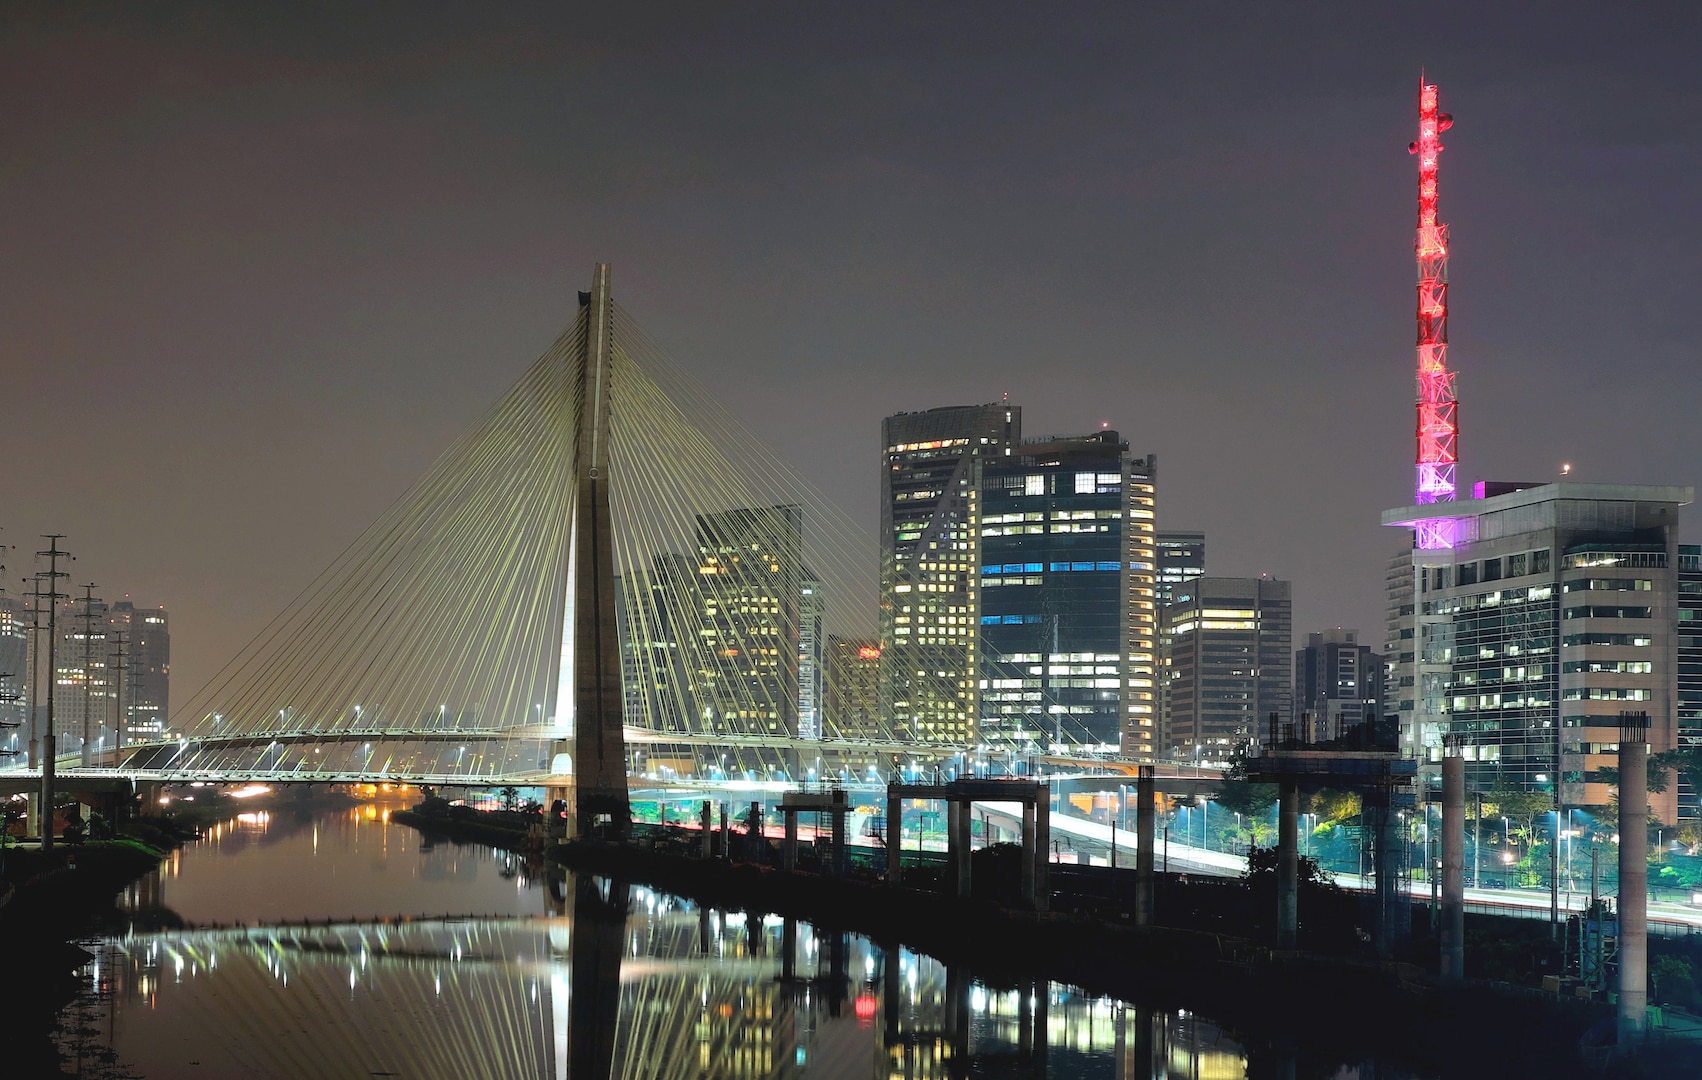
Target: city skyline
285 389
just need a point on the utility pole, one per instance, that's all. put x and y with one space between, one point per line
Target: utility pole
49 744
89 602
117 667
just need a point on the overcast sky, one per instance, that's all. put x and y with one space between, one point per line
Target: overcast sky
260 263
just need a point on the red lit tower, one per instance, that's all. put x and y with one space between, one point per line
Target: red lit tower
1437 429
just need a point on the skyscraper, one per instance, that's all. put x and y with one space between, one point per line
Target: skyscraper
1068 608
1181 559
749 585
853 687
14 673
145 697
1556 609
930 564
1231 644
1337 683
811 674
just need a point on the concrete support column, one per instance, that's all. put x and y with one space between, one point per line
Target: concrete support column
1288 866
1633 879
789 846
894 840
707 823
1146 819
1043 850
49 751
960 840
1029 811
726 833
753 833
1453 867
838 814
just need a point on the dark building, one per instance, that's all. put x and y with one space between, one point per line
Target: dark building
1068 611
931 466
1337 683
1231 644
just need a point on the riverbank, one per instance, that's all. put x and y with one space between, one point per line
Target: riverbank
499 829
1288 1004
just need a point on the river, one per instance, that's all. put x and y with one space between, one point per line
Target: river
335 944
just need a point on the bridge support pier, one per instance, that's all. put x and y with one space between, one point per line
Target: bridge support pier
894 839
1042 853
1453 867
706 823
1633 877
1030 855
958 818
1146 818
1288 866
789 846
726 833
49 753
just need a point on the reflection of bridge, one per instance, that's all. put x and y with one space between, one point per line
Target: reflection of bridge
618 985
605 559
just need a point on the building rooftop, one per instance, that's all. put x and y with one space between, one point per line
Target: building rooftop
1407 516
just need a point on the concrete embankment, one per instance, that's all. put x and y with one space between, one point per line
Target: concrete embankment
1305 1008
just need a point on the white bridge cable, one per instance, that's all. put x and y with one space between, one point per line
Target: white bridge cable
445 614
440 629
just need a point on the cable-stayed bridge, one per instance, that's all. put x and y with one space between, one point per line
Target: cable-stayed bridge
607 573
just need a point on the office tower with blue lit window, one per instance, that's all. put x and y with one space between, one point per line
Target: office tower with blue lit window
1068 608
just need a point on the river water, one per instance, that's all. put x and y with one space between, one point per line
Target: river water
502 970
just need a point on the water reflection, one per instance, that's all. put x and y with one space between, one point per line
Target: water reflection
628 984
348 865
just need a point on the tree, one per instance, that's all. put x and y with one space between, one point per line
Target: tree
510 797
1521 807
1240 795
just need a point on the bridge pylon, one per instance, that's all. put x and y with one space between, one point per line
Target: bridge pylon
595 789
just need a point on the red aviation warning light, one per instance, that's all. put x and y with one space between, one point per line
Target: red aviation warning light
1438 432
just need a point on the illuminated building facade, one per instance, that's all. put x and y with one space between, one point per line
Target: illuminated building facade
930 539
1068 611
1689 670
1556 610
811 667
1231 644
749 586
1181 559
145 687
853 701
14 671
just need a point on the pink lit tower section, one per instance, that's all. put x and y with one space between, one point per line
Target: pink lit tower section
1438 432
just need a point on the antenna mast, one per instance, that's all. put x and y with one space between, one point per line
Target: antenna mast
1437 406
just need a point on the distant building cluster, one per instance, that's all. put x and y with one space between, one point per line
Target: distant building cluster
111 672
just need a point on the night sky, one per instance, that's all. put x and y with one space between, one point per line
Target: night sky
260 266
